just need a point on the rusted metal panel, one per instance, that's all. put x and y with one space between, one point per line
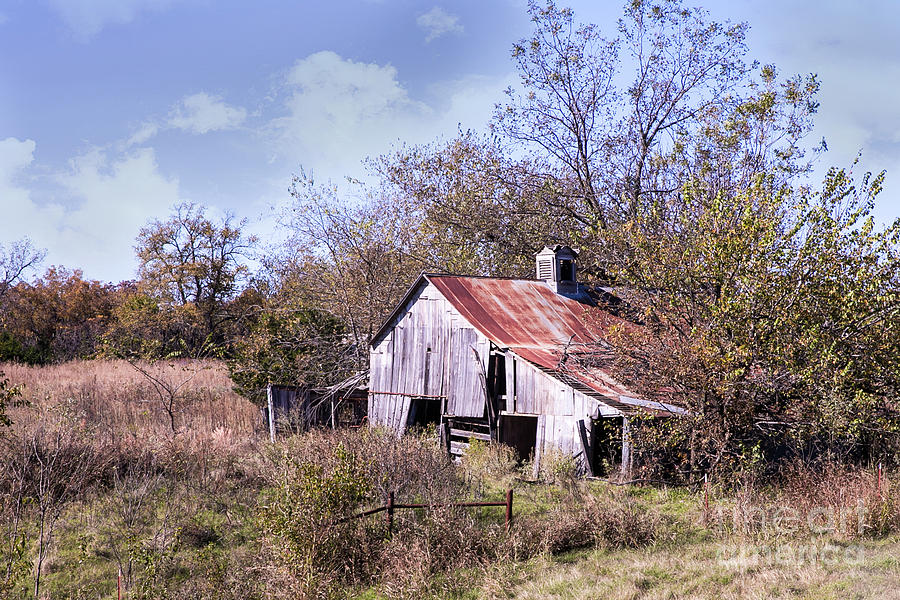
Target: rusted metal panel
546 329
520 312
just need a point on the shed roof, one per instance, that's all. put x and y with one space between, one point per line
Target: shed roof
552 331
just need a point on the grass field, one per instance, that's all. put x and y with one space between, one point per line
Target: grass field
211 510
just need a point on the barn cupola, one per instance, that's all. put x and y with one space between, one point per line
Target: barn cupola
556 266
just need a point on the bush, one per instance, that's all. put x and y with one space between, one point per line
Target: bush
304 519
483 463
605 517
558 467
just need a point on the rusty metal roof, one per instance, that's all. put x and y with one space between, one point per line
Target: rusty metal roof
522 312
563 336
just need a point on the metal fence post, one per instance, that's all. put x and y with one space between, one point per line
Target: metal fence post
509 508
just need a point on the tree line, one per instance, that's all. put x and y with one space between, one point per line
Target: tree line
769 306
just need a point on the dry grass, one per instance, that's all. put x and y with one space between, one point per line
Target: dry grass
181 512
122 404
704 570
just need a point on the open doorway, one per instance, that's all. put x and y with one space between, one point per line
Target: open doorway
520 432
606 445
424 413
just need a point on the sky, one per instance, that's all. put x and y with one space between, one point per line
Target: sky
114 111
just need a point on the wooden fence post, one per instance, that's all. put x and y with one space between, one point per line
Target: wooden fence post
390 512
509 508
706 491
271 413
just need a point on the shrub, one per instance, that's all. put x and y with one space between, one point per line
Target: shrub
483 462
558 467
304 519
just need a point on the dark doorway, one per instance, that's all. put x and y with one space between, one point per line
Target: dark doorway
424 413
606 442
520 432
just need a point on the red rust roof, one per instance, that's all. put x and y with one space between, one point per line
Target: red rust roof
545 328
521 312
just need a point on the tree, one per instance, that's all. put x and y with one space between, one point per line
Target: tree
761 303
143 327
469 208
691 110
16 261
772 316
349 261
59 317
290 346
192 260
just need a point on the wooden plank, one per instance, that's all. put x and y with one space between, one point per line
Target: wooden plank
626 447
458 447
470 434
586 450
410 364
375 360
510 368
539 446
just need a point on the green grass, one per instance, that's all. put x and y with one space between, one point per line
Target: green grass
196 542
694 571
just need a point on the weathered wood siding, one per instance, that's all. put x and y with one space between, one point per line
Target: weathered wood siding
429 350
530 390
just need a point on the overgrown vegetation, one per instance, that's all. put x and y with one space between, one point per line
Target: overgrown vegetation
90 487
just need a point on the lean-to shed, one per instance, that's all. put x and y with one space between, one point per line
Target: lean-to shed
506 360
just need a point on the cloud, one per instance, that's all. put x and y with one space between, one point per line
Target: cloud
338 112
436 23
15 155
92 216
198 114
338 108
202 113
113 198
86 18
144 134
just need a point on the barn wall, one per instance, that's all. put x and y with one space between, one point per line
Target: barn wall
532 391
560 408
429 350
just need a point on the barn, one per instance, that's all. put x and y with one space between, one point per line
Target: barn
518 361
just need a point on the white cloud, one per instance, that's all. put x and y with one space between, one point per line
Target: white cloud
86 18
202 113
15 155
145 133
340 110
107 200
198 114
21 215
436 22
114 198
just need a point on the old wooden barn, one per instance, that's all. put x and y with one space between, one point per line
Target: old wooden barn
512 360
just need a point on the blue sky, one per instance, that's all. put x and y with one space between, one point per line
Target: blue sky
112 111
